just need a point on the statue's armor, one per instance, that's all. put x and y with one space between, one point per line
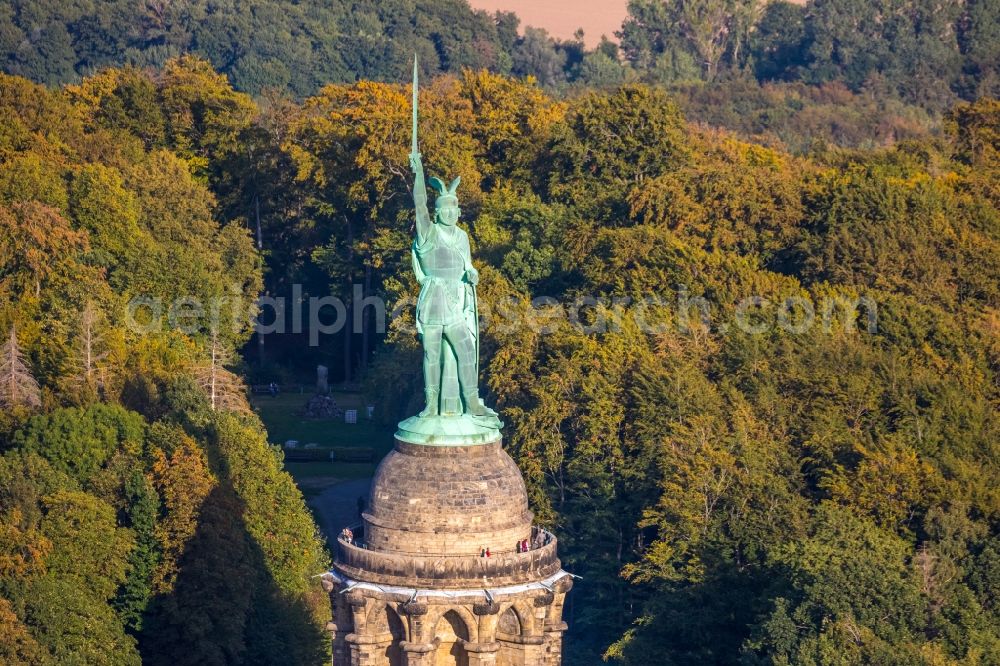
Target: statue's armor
440 265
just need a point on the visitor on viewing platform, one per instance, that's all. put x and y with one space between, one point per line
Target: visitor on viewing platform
347 535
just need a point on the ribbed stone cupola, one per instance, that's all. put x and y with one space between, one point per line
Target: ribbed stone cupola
449 501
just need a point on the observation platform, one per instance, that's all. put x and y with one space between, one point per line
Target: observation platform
440 571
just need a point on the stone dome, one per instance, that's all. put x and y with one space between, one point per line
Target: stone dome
447 500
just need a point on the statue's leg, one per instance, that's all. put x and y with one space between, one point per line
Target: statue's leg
431 339
450 400
461 340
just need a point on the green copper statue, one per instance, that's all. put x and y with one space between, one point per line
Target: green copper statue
447 310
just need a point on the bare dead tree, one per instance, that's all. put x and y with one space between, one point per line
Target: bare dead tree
224 389
18 387
88 373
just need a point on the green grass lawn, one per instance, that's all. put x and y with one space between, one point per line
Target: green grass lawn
282 418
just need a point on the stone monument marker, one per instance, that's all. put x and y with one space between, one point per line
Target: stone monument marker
322 381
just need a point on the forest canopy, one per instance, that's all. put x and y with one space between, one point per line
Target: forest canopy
759 406
137 502
924 52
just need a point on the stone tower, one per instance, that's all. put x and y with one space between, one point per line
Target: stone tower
413 587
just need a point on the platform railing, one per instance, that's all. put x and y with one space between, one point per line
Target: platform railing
502 566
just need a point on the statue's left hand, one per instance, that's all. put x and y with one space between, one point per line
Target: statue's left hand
472 276
416 164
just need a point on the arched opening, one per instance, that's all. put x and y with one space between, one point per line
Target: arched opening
394 653
385 624
509 624
508 630
451 632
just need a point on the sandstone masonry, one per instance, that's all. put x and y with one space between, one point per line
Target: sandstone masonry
413 588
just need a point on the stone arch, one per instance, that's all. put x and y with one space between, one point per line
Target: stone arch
509 624
525 615
384 622
382 618
513 624
394 651
469 620
451 632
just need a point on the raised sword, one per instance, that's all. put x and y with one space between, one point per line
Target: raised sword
414 151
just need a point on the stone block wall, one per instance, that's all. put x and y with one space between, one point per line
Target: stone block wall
447 501
388 629
414 590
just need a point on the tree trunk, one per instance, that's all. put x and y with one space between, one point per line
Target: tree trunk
349 287
365 328
260 248
260 236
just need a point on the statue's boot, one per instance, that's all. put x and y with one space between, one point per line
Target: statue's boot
476 407
432 403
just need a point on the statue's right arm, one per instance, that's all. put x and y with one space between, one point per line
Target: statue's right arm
420 198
